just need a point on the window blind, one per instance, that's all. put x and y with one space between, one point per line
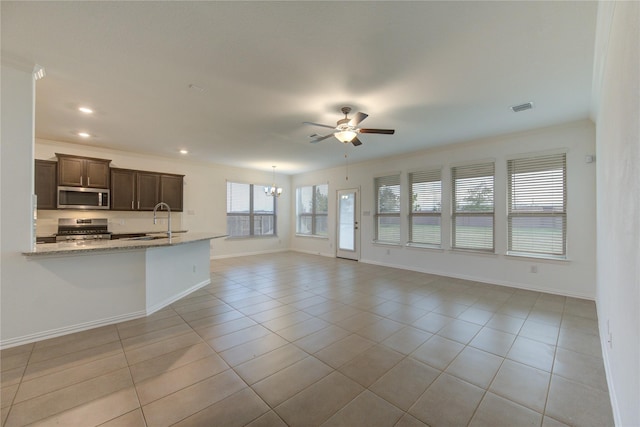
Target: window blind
249 211
425 209
536 201
312 210
473 207
387 224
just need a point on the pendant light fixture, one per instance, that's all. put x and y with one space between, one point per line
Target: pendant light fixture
273 190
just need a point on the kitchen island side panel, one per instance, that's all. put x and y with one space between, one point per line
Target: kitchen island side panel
175 271
66 294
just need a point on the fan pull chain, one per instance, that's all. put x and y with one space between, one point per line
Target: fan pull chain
347 172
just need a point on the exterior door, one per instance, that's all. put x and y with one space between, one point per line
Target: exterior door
348 230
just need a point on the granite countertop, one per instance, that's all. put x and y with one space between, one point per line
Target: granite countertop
146 232
91 246
123 233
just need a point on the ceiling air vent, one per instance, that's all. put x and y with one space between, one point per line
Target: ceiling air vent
522 107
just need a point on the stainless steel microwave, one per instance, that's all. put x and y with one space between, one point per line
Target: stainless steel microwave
83 198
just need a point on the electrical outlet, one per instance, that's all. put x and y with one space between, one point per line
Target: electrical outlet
534 269
194 268
388 251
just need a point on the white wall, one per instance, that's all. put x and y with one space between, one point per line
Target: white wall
27 285
204 207
575 277
175 271
16 175
617 110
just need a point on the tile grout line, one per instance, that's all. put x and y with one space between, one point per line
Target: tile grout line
33 346
133 384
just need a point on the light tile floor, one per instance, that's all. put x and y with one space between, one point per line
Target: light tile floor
302 340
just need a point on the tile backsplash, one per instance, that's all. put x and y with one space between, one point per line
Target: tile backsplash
119 221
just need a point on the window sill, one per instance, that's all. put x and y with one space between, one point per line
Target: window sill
313 236
424 246
270 236
398 245
537 257
473 252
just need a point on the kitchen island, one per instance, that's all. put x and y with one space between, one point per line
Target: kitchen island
89 284
78 247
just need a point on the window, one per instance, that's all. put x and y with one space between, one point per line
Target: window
537 203
250 212
387 217
425 198
473 207
312 208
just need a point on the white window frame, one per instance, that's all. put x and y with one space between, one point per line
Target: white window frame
380 182
314 215
538 195
482 172
421 177
251 214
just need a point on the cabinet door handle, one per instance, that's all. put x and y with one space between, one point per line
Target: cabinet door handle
80 180
132 205
138 204
88 181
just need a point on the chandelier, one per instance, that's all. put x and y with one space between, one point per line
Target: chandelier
273 190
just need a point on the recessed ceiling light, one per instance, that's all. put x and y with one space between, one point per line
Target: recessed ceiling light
84 134
184 152
85 110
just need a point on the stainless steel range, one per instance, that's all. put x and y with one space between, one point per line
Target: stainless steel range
82 229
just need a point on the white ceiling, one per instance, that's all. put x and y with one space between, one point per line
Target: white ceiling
437 72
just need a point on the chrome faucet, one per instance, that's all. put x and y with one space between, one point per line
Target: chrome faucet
168 217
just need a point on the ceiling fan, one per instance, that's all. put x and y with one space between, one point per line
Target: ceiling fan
347 129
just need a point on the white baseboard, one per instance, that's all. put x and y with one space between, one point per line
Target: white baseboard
53 333
273 251
617 420
482 279
324 254
174 298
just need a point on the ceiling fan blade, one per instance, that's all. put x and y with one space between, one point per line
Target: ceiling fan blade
355 141
381 131
357 118
321 138
319 124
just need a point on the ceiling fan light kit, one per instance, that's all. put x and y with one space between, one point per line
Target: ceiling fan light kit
347 130
345 136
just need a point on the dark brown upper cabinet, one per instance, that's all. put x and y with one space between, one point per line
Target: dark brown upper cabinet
171 191
133 190
77 171
46 174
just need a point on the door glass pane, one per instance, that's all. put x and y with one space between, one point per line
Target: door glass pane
346 240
